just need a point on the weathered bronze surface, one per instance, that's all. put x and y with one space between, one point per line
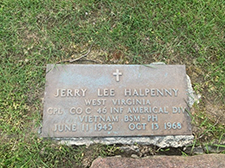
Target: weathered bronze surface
115 100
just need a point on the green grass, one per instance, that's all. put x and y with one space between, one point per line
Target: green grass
34 33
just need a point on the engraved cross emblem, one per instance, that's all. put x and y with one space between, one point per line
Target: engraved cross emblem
117 74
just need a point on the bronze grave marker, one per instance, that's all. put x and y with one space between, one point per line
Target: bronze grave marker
115 100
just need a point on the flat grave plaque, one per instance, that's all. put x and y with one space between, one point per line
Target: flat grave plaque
115 100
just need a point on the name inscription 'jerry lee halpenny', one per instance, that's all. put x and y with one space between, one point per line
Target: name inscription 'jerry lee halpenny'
115 100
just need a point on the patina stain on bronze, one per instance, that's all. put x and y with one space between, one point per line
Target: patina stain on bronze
115 100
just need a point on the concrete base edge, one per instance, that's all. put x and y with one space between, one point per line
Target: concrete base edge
160 141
